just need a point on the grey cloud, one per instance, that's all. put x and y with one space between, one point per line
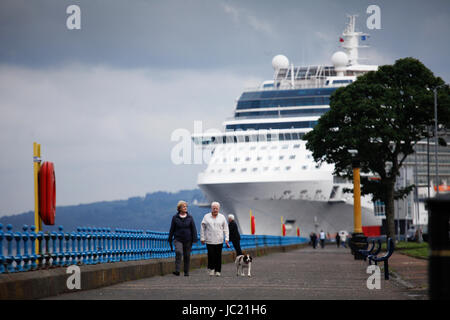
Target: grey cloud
107 130
108 96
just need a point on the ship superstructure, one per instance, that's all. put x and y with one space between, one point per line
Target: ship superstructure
260 162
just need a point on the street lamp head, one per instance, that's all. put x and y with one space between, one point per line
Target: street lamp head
353 152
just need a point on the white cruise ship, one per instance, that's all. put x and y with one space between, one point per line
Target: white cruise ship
260 163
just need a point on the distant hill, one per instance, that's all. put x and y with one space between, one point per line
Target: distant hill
152 212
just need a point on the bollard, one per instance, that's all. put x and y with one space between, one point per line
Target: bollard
439 242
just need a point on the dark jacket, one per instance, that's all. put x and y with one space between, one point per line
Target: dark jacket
183 229
234 232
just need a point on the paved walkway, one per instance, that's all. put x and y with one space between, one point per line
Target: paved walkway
329 273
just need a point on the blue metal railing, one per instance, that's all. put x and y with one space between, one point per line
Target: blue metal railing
100 245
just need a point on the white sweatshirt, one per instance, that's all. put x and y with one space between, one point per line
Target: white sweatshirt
214 229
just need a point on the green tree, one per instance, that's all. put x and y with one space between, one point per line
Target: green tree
383 114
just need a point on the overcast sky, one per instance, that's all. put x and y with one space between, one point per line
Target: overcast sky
104 100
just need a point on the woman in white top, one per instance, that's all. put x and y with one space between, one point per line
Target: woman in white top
213 230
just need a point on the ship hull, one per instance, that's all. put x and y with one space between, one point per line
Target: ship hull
306 214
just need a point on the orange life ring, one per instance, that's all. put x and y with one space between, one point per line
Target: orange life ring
47 193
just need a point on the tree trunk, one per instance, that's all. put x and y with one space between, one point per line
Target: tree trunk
390 211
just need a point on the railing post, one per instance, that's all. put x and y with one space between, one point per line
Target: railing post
73 252
108 245
104 247
2 257
40 254
116 247
18 257
60 254
132 244
33 256
89 249
94 246
54 254
127 245
100 245
84 250
148 245
67 254
122 246
26 255
47 250
79 249
9 257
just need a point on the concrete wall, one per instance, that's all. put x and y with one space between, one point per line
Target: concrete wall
51 282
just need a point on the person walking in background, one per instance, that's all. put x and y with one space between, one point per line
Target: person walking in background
322 239
338 240
235 237
213 230
313 238
184 234
344 239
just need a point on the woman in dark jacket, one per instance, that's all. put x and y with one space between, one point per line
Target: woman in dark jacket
235 236
184 234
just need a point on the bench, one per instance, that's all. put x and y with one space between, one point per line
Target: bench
385 258
371 251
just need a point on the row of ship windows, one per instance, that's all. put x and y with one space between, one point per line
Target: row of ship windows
251 138
287 168
286 93
259 158
306 112
275 103
269 126
285 146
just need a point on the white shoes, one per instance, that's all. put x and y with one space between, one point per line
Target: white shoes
211 272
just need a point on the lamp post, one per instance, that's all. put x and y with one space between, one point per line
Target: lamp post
358 241
436 137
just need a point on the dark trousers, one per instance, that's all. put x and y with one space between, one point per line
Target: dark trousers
214 256
182 250
237 247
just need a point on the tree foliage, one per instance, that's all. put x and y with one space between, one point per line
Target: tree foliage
383 114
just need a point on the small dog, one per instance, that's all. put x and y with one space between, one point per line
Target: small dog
243 261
